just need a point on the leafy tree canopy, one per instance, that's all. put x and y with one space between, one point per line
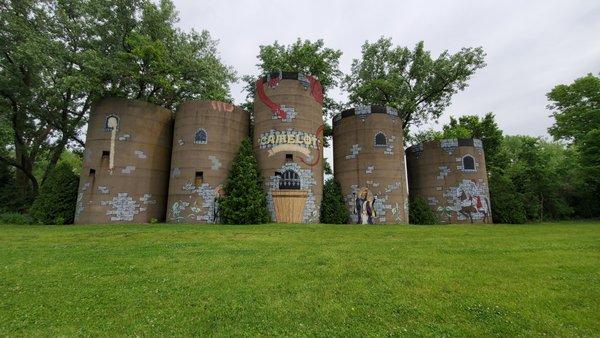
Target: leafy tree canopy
418 86
303 56
57 57
486 129
472 126
576 109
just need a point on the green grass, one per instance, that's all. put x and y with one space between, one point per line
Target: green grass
281 280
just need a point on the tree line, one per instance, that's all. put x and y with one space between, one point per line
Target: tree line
58 57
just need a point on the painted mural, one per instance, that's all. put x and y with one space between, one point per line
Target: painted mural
466 201
202 204
311 211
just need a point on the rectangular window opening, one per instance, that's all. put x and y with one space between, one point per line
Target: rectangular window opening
92 172
289 158
199 179
105 153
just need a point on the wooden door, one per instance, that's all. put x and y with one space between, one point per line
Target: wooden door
289 205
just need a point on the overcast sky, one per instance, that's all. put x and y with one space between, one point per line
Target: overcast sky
531 45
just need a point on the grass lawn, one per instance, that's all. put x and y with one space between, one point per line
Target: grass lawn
325 280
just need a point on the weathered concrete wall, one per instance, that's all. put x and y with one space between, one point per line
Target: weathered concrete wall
440 172
125 170
288 120
206 138
360 163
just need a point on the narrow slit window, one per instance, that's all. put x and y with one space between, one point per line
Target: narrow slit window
199 178
468 163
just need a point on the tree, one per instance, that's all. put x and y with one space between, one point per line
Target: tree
333 207
507 203
244 201
576 109
57 57
486 129
423 136
534 171
302 56
420 213
56 201
472 126
411 81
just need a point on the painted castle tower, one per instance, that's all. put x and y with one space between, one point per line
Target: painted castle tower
369 164
450 175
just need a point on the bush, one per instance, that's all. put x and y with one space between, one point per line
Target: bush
15 218
12 200
333 207
420 213
507 203
245 201
55 203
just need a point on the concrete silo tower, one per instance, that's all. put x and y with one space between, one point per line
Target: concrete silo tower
288 139
125 170
451 176
206 138
369 162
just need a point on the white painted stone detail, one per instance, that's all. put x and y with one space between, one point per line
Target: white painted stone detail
140 154
449 145
354 150
124 137
128 169
444 171
215 163
389 149
206 210
392 187
124 208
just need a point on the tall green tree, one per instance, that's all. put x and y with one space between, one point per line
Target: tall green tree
472 126
244 201
305 56
575 108
333 207
535 172
412 81
57 57
420 213
486 129
56 201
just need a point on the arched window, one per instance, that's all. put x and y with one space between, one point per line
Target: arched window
289 180
468 162
200 137
112 121
380 139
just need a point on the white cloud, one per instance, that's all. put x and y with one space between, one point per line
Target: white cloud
531 45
